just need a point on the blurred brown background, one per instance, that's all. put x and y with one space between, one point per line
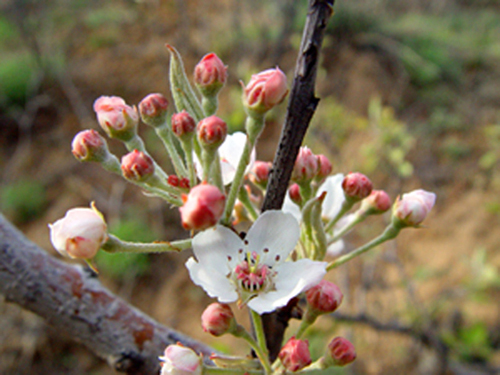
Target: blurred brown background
410 96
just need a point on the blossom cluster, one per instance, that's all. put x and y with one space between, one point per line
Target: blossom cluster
218 186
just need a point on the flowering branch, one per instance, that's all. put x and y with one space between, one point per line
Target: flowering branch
301 107
73 301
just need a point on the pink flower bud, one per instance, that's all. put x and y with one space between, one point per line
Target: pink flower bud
217 319
356 186
153 109
212 132
294 193
180 360
79 234
265 90
325 297
210 74
342 351
376 203
259 174
116 118
203 207
324 167
294 355
137 166
88 145
412 208
183 125
306 166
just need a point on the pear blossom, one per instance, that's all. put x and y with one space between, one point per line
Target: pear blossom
331 206
254 271
80 233
413 207
180 360
230 154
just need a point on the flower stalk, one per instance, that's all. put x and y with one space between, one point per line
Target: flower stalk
389 233
254 125
116 245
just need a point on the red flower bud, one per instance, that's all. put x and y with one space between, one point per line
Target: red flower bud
183 124
259 174
202 208
356 186
153 109
265 90
376 203
294 355
324 167
116 118
137 166
217 319
210 74
173 180
325 297
212 132
88 145
184 183
342 351
306 166
294 193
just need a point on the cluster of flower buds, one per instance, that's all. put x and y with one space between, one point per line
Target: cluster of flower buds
266 269
310 169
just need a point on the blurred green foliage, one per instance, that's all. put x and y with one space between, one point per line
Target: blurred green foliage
391 142
23 200
470 343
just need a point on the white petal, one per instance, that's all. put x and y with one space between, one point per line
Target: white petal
212 281
228 171
230 154
217 248
292 208
292 279
335 248
334 197
197 166
276 231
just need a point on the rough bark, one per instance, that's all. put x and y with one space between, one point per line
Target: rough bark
301 107
73 301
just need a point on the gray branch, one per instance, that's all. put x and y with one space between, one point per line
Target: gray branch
73 301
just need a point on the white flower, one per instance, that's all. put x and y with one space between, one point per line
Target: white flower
230 154
80 233
254 271
331 207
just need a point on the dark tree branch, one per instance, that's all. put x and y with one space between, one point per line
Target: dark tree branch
301 107
76 304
